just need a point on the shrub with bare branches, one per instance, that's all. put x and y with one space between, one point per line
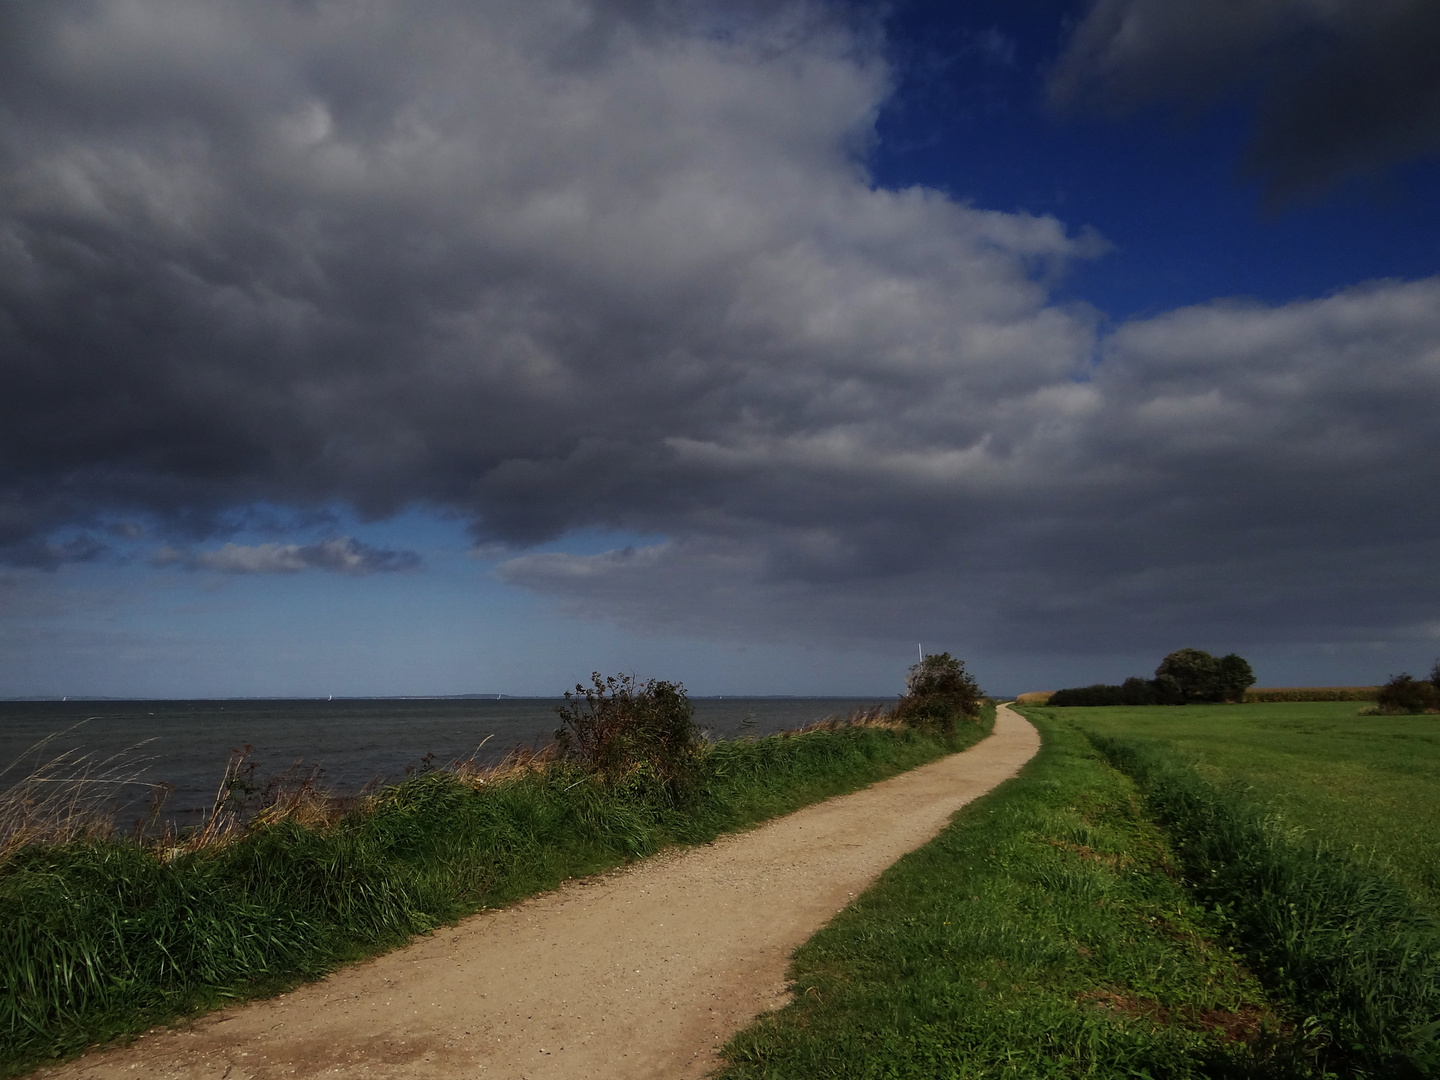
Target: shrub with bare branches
618 727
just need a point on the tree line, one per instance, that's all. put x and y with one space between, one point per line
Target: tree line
1184 677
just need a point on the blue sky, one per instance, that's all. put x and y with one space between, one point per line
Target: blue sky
444 348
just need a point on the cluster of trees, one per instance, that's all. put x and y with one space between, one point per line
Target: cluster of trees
1407 694
1184 677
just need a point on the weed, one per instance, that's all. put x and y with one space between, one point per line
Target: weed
70 795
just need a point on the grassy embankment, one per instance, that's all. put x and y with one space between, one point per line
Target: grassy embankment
103 937
1367 787
1045 933
1098 916
1313 830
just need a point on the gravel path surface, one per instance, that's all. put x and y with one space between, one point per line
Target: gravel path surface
644 972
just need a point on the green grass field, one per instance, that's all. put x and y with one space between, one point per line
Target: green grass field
1199 891
1366 786
1043 934
1117 911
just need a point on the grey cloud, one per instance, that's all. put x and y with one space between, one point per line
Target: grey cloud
1345 87
553 266
40 554
245 260
1231 468
344 555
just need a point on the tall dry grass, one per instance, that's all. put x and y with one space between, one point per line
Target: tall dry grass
52 797
1035 697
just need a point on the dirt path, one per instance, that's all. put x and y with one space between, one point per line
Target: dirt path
640 973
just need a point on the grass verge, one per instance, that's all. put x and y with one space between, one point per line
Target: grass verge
1043 934
1368 785
1339 938
104 937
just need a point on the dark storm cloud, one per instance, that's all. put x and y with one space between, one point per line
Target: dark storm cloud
1230 468
553 266
1346 86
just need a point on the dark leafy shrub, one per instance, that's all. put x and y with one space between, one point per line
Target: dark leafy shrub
1137 691
1133 691
939 693
1405 694
1097 695
617 727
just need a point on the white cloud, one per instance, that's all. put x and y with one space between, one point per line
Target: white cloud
343 556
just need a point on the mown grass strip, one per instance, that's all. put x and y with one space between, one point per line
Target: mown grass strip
1043 934
101 939
1340 938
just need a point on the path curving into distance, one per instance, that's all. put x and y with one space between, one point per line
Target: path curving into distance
639 973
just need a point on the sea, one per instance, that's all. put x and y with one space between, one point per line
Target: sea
136 750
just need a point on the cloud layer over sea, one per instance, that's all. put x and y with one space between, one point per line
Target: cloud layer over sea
561 265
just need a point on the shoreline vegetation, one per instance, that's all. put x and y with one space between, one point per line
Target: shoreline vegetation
1220 890
107 934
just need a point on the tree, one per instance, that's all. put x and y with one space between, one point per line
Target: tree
938 692
1191 673
1194 675
1236 676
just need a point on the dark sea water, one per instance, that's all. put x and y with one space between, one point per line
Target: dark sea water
356 741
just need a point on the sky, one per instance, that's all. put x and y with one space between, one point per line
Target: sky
430 347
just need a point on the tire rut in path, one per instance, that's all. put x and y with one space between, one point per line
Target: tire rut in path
642 972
